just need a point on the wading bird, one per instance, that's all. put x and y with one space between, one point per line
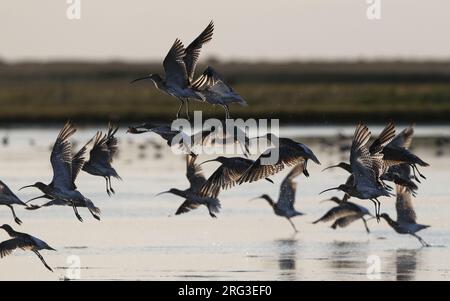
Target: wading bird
101 157
65 170
193 200
345 213
25 242
286 199
173 137
406 216
216 91
397 152
179 67
396 158
364 182
95 211
286 152
226 175
8 198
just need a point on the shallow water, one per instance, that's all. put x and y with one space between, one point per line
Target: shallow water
140 239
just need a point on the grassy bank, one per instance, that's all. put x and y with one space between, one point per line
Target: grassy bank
315 92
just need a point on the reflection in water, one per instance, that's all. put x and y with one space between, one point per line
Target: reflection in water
287 256
406 264
348 255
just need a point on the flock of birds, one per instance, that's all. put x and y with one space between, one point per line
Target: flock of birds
387 159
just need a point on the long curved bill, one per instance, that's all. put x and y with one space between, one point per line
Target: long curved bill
212 160
162 193
140 78
334 188
329 167
254 199
26 187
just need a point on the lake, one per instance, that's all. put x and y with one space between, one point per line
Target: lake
140 238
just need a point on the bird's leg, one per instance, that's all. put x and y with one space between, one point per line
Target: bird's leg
414 173
94 215
376 210
107 187
418 171
181 106
365 224
42 259
76 212
110 187
293 226
16 219
227 111
379 207
423 242
187 108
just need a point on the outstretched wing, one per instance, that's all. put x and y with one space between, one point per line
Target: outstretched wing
78 161
286 157
8 246
345 221
61 158
111 142
225 176
384 139
404 206
99 153
186 207
193 50
194 173
361 160
404 138
174 66
288 188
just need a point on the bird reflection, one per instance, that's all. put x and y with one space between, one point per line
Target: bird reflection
347 255
406 264
287 256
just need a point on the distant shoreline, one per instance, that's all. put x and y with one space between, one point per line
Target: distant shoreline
295 92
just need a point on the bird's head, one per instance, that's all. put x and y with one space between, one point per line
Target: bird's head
333 199
342 165
171 190
385 216
7 228
341 187
156 78
39 185
264 197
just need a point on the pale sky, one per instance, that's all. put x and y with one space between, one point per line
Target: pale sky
244 29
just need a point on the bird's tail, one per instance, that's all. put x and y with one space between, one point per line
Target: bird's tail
213 205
